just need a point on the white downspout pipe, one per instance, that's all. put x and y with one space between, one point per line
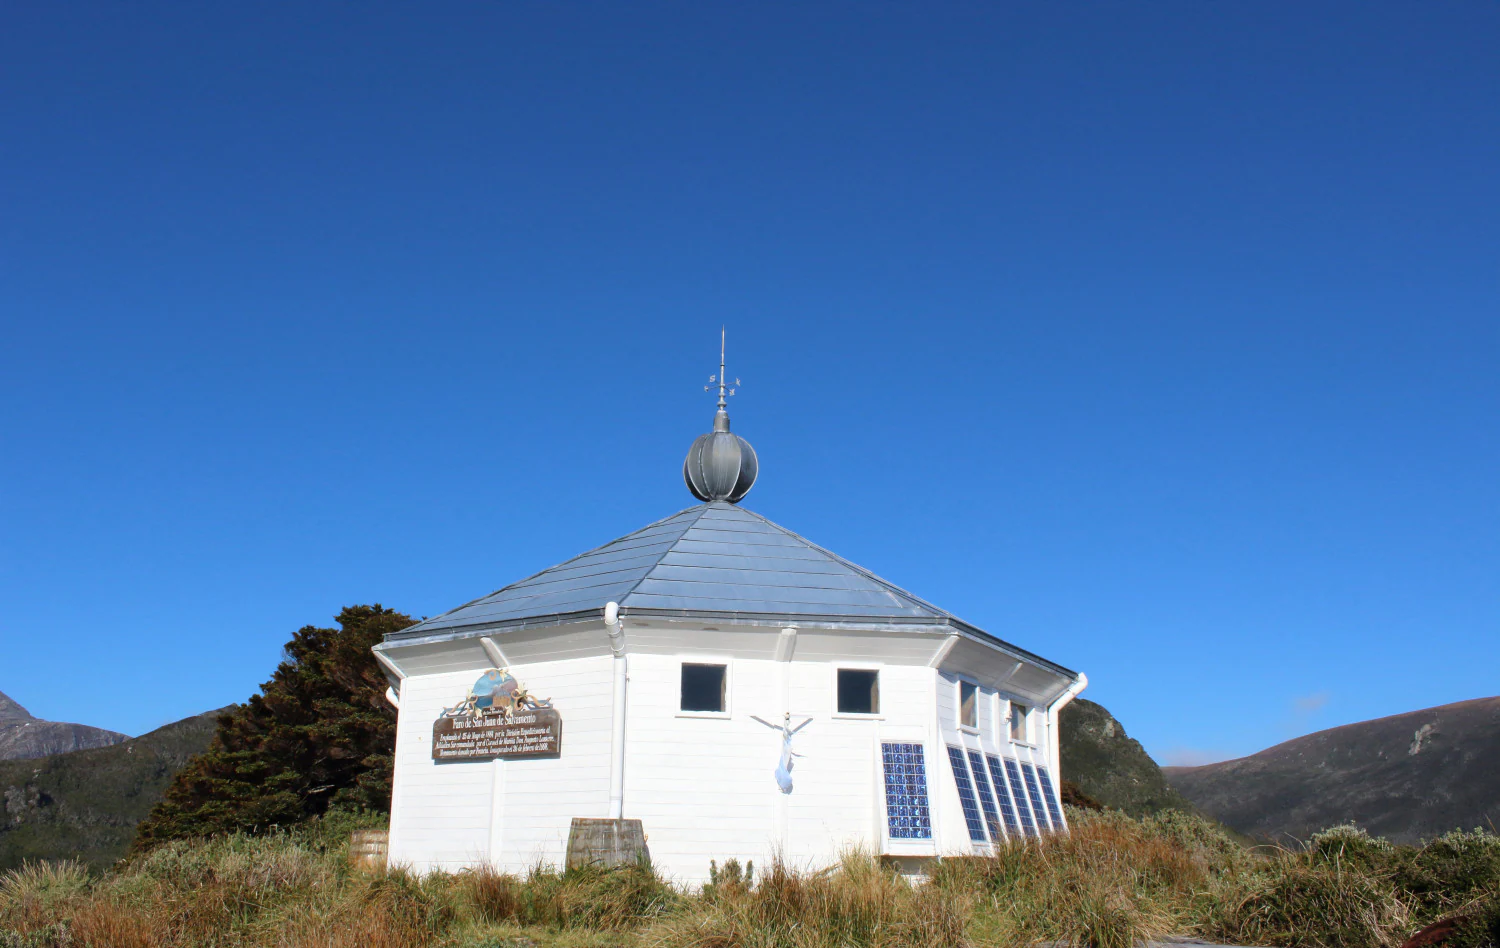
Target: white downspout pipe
494 652
616 631
1054 739
394 675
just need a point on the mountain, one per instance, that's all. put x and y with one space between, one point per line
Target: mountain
86 804
23 737
12 713
1110 766
1407 777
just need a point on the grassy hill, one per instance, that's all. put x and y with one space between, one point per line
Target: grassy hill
1405 777
1109 765
86 804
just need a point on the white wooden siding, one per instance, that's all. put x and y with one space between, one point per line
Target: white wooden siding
541 796
511 813
440 815
703 786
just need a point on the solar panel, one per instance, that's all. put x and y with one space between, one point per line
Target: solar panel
997 777
986 798
1018 793
1034 793
906 812
966 794
1050 795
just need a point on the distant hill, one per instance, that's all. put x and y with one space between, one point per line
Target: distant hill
1407 777
23 737
1110 766
86 804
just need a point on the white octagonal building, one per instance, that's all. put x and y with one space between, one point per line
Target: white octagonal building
716 687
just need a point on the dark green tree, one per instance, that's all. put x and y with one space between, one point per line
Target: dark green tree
319 734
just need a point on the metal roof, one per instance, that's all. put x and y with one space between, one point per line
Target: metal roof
713 559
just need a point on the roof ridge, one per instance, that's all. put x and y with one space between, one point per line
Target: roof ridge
856 568
702 509
571 559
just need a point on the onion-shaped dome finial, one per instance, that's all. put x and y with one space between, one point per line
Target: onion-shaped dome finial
720 465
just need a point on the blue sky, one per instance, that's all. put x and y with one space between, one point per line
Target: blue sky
1160 339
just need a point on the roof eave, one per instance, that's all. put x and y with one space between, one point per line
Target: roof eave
936 625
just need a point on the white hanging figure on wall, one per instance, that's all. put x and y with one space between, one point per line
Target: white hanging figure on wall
784 764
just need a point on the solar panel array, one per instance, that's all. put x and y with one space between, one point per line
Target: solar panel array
986 796
966 794
1018 793
1000 797
906 811
997 777
1051 796
1035 794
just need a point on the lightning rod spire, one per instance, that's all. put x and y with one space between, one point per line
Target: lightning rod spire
720 465
721 367
721 380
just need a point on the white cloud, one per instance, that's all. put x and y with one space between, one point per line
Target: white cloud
1192 757
1308 705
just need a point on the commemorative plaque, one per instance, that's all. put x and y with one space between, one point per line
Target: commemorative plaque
525 734
498 718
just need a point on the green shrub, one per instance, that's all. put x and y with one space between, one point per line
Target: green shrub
1352 848
732 878
1301 905
1452 870
1478 929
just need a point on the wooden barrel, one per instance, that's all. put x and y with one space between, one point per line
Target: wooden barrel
606 843
368 848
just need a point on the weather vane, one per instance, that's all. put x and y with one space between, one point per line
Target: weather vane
719 379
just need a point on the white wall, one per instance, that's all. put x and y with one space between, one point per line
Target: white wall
440 815
512 813
703 786
540 796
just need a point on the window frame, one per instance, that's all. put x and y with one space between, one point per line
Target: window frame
1011 706
875 715
959 684
723 663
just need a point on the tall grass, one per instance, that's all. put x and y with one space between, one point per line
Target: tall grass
1114 882
589 898
859 902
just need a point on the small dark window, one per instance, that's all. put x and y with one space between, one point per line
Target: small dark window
968 704
859 691
703 687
